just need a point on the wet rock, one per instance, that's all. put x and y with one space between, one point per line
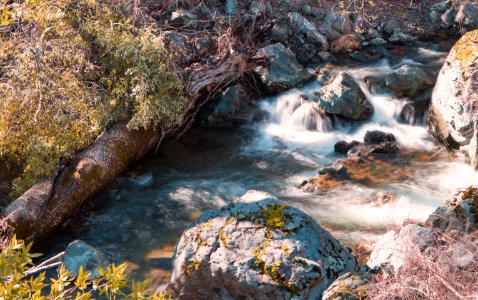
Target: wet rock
282 70
414 111
302 26
235 107
345 43
342 96
325 56
343 147
385 148
257 248
337 170
350 286
79 253
335 25
378 137
400 38
408 81
183 18
453 111
459 215
391 27
389 250
378 42
467 16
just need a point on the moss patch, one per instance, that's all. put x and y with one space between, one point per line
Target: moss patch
466 49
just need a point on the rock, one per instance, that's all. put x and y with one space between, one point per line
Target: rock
337 170
203 45
467 17
391 27
342 96
325 56
414 112
385 148
408 80
378 42
453 110
183 18
231 6
382 198
459 215
79 253
257 7
345 43
335 25
377 137
282 71
443 14
301 25
343 147
257 248
350 286
389 251
280 32
400 38
235 107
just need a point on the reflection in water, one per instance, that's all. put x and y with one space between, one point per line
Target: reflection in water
140 217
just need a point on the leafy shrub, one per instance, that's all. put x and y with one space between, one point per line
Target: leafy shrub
16 262
70 69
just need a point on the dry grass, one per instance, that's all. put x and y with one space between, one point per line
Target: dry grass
446 269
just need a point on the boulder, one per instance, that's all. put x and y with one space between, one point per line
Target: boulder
235 107
459 215
454 105
378 137
282 71
80 254
257 248
302 26
390 248
350 286
400 38
408 81
342 96
378 42
467 17
183 18
335 25
443 14
391 27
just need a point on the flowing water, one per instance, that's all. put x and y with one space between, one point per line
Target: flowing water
139 218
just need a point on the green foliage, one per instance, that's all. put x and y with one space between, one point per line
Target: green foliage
72 69
16 260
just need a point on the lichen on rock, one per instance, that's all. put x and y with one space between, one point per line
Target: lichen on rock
257 248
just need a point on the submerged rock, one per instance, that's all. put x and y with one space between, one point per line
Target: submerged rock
80 254
459 215
282 70
342 96
343 147
257 248
454 106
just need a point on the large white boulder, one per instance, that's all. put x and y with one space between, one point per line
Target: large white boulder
257 248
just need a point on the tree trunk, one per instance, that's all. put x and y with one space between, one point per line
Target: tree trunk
52 201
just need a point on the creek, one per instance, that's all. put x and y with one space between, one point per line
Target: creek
140 217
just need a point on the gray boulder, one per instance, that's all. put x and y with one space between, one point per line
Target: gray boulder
459 215
342 96
302 26
391 27
257 248
282 71
378 137
453 113
80 254
234 107
391 248
467 16
408 80
443 14
400 38
335 25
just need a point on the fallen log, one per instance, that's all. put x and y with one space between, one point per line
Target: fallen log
52 201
